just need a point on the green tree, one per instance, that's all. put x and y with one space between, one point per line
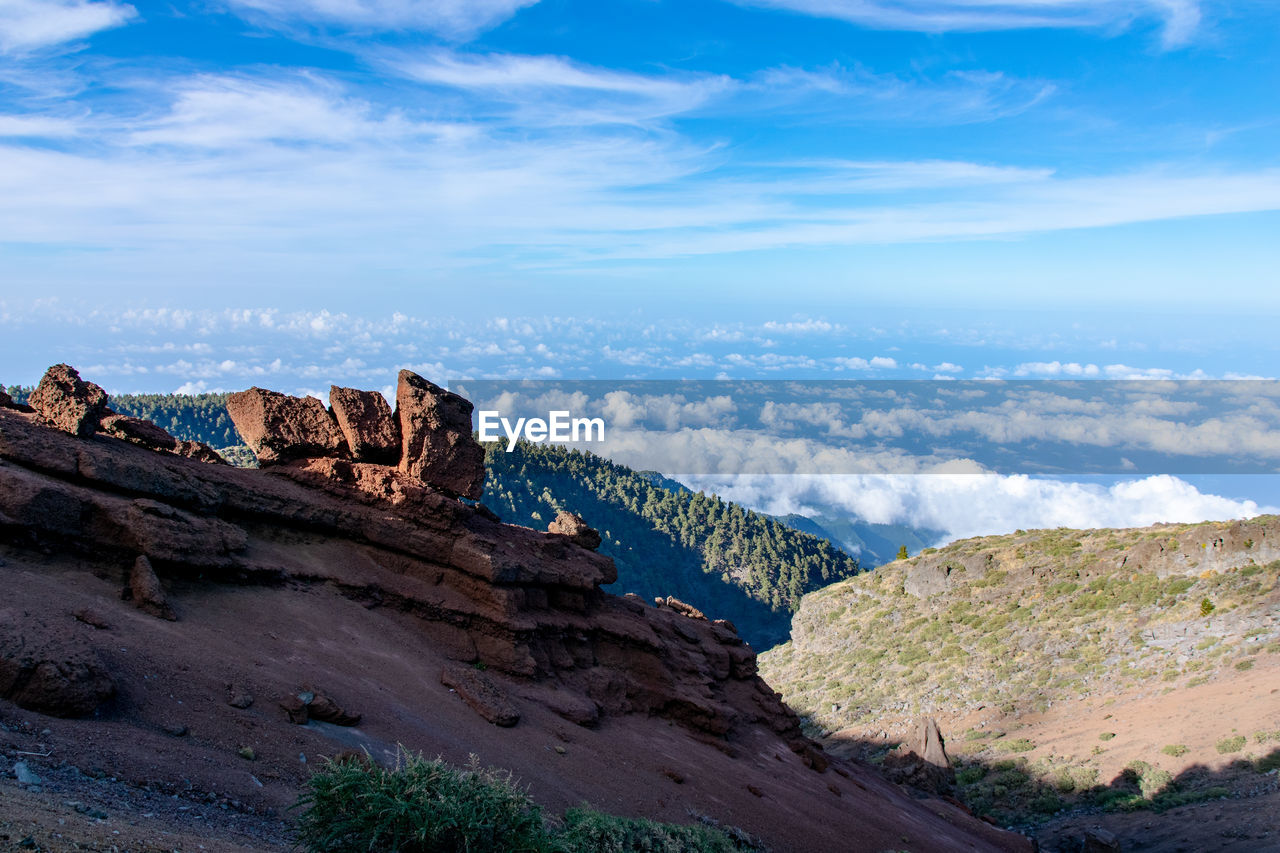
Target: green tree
1206 607
902 552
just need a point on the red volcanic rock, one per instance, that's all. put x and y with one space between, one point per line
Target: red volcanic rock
47 668
436 442
278 427
481 694
138 431
922 761
576 528
6 401
199 451
368 424
148 594
64 400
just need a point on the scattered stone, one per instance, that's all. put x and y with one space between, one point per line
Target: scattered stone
756 791
176 730
480 692
437 445
371 430
687 609
64 400
247 753
278 427
24 774
1099 840
45 668
576 528
238 697
324 709
92 618
560 750
673 775
200 452
148 594
311 705
138 431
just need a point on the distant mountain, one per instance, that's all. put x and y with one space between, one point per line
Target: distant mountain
873 544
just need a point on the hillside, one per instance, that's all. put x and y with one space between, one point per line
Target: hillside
728 561
1038 650
183 642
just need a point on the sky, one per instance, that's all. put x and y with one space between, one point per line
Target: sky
208 195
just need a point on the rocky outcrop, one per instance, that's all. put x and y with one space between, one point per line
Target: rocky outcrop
46 667
435 434
579 532
922 761
524 605
6 402
64 400
368 424
278 427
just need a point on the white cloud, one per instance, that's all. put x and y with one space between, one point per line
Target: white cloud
452 18
981 505
1179 17
27 25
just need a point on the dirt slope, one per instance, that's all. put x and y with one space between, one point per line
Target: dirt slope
348 581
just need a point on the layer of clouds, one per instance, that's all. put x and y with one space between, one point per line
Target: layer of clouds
978 505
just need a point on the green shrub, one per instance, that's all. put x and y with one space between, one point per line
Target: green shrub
1177 750
352 805
421 806
1106 736
1231 744
1268 762
588 830
1017 745
1244 665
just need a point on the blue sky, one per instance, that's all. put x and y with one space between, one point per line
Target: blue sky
208 195
713 160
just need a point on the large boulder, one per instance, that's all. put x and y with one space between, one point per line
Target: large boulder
64 400
367 423
922 761
148 594
46 667
278 427
138 431
437 446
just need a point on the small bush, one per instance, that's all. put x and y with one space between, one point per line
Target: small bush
1177 750
1018 745
1106 736
588 830
421 806
1245 665
1230 744
354 806
1268 762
